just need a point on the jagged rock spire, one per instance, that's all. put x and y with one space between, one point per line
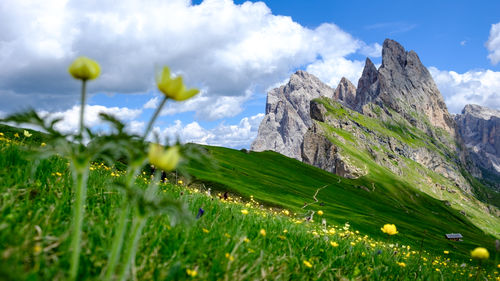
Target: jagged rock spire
345 92
404 84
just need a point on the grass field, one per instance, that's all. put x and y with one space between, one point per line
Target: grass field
258 233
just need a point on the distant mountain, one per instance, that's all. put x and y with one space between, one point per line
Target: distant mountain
479 128
394 121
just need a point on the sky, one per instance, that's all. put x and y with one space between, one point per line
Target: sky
234 52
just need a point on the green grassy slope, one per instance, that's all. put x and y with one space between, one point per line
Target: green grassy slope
277 180
233 240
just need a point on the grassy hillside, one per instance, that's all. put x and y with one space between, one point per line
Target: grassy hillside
235 239
366 203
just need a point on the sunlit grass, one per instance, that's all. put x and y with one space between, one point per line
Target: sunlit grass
234 239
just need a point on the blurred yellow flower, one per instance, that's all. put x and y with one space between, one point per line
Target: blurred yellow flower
246 240
480 253
390 229
37 249
262 232
173 88
334 244
402 264
446 252
16 135
27 134
164 159
206 230
320 213
43 144
179 182
229 257
84 68
437 269
244 211
191 273
1 134
307 264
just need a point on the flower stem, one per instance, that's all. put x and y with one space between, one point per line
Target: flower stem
117 241
82 106
155 115
121 227
80 176
131 246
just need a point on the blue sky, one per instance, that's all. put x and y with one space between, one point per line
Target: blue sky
234 52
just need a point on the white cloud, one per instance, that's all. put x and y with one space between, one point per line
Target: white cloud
233 136
223 48
463 42
209 107
70 118
152 103
472 87
332 70
493 44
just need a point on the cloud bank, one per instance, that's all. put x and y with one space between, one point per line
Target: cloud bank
225 49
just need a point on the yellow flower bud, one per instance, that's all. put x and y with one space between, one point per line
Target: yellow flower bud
320 212
480 253
390 229
174 88
84 68
165 160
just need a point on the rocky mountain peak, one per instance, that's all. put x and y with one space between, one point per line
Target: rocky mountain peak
479 128
346 92
367 85
404 84
288 114
481 112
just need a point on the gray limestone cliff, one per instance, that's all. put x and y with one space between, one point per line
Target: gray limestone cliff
403 84
346 92
287 116
479 128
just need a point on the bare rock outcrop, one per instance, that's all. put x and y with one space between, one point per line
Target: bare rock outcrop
404 84
479 128
287 116
346 92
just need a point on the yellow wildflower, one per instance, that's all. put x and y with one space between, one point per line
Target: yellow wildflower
191 273
27 134
480 253
229 257
16 135
446 252
206 230
1 134
180 182
174 88
281 237
227 235
43 144
307 264
402 264
37 249
84 68
334 244
390 229
437 269
244 211
320 213
246 240
262 232
353 243
165 160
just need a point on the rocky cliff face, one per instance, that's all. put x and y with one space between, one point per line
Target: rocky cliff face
346 92
287 116
404 85
479 127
